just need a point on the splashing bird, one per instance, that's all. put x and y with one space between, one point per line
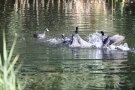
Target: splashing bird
109 40
66 40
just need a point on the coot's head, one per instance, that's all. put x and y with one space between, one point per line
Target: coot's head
102 33
63 36
76 31
46 29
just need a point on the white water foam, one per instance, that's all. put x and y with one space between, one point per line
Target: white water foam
123 47
54 41
96 40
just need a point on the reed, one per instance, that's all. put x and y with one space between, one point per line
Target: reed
8 78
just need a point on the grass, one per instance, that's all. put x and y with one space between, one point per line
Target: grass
8 75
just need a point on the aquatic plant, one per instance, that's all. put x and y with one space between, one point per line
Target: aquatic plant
8 78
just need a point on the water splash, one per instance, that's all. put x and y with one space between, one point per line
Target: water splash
79 42
123 47
54 41
94 41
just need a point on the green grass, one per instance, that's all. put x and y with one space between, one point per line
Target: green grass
8 75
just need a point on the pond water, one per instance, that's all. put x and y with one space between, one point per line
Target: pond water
59 67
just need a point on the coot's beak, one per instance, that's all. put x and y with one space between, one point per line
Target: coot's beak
47 29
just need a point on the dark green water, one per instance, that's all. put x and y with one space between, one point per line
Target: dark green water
58 67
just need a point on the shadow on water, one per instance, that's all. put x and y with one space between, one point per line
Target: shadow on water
52 67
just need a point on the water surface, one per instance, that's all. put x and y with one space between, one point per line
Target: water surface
65 68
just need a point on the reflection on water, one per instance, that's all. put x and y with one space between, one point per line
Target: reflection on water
98 54
83 69
59 67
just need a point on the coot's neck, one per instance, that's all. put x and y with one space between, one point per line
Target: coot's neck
76 31
102 33
63 36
